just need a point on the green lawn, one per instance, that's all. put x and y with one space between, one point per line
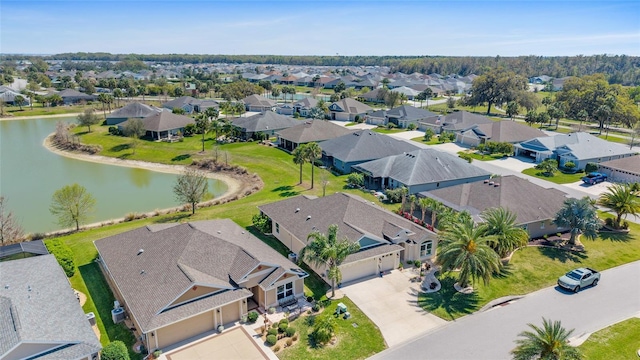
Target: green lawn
558 178
352 342
40 110
434 140
619 341
534 268
387 131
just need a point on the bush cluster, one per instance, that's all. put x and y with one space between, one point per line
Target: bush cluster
115 350
252 316
63 254
272 339
272 331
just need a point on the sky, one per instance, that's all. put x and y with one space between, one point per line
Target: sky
372 27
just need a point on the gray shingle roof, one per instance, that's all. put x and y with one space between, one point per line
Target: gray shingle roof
351 106
364 145
217 253
37 305
134 110
458 120
180 102
507 131
257 100
313 130
404 112
265 121
422 167
163 121
354 216
630 164
527 200
581 144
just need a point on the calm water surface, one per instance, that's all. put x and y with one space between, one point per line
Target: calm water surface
30 174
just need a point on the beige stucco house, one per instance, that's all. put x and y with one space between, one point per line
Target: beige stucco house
177 281
385 238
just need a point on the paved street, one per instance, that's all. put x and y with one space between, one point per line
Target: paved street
491 334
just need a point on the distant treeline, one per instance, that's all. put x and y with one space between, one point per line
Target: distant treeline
619 69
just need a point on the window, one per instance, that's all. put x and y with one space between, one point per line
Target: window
277 228
285 291
425 248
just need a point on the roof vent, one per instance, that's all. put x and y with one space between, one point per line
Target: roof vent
219 232
491 182
486 181
496 185
28 287
142 272
6 287
308 217
140 252
297 209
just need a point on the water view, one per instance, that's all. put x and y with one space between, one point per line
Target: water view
30 174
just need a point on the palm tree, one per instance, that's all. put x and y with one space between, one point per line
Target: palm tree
412 204
299 157
203 125
424 204
580 216
327 250
312 152
465 246
549 342
436 207
622 200
501 223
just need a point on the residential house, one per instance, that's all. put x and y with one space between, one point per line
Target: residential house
579 147
373 96
534 206
542 79
71 96
131 110
40 316
258 103
498 131
558 84
407 91
265 123
348 109
163 125
309 131
348 150
176 281
385 238
623 170
302 107
401 116
457 121
419 170
8 96
190 104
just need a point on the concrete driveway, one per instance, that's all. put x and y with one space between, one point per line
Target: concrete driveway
595 189
236 343
391 303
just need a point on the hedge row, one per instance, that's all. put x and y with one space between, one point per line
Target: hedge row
63 254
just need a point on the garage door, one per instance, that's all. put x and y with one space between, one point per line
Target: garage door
230 313
185 329
359 270
388 262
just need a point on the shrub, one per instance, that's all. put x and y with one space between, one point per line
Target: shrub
252 316
64 255
284 321
272 339
290 331
294 337
157 353
289 342
391 126
130 217
323 330
262 223
272 310
315 308
282 327
569 165
115 350
114 131
428 134
276 348
355 180
272 331
189 129
591 167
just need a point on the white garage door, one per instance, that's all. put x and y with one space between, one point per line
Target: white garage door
388 262
358 270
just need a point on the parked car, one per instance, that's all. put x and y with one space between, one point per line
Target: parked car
579 278
594 178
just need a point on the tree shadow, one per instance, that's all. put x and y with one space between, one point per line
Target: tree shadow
614 236
171 218
120 147
448 299
286 191
505 271
125 156
181 157
562 255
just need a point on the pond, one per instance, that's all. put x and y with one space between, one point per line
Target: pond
30 174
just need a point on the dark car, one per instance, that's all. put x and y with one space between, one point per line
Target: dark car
594 178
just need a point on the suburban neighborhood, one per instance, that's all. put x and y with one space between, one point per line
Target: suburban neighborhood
184 206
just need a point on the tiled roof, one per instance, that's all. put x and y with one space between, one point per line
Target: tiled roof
216 253
38 306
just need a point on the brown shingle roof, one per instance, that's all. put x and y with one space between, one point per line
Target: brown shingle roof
216 253
630 164
313 130
507 131
527 200
354 216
